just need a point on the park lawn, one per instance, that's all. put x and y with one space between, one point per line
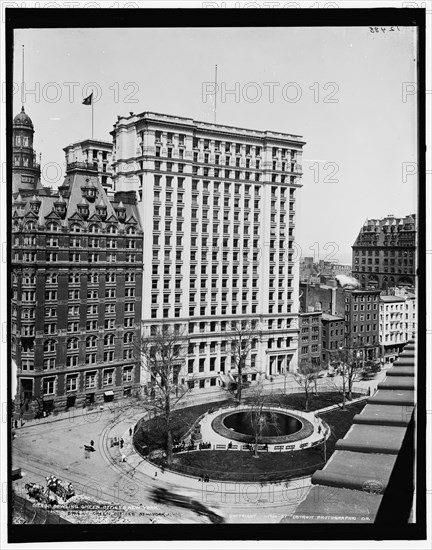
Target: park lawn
242 466
152 431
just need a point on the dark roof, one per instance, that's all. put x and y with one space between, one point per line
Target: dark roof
22 119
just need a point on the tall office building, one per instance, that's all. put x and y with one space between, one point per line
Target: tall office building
218 207
384 253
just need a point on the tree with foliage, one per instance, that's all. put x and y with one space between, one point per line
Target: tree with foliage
163 351
306 377
242 340
260 416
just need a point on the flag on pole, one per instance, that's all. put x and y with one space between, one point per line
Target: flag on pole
88 100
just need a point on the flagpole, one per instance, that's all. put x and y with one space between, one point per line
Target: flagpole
22 83
215 94
92 106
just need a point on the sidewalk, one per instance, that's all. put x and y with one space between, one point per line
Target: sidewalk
279 383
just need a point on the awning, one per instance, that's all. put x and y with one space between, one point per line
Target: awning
109 393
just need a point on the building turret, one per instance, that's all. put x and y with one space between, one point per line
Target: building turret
25 169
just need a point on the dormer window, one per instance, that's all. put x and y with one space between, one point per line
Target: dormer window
83 209
60 207
35 205
121 212
89 191
101 211
121 215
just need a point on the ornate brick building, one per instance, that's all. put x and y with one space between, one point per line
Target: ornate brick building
76 293
384 253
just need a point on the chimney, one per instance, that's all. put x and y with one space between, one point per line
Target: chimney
126 197
333 301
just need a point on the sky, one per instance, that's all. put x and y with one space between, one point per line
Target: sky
342 89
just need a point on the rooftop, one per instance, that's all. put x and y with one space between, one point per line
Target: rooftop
184 121
328 317
373 464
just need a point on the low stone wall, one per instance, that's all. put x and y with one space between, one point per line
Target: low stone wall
306 430
35 514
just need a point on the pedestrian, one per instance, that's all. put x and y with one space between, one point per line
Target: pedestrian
155 474
92 443
16 423
319 429
121 443
123 458
130 431
86 453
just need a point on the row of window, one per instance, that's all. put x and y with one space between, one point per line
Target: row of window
74 257
90 380
32 225
74 277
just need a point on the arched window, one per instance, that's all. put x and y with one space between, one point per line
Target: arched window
112 229
52 226
29 278
93 277
131 230
94 228
109 340
128 337
91 342
75 228
72 343
49 345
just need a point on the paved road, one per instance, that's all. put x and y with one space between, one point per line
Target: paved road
56 446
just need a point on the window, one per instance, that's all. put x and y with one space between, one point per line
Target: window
109 324
91 325
90 380
109 340
28 364
49 346
72 361
50 328
90 358
48 386
110 293
108 377
127 374
72 383
91 342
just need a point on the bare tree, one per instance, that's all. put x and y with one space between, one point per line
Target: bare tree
162 352
305 377
351 367
259 416
242 340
